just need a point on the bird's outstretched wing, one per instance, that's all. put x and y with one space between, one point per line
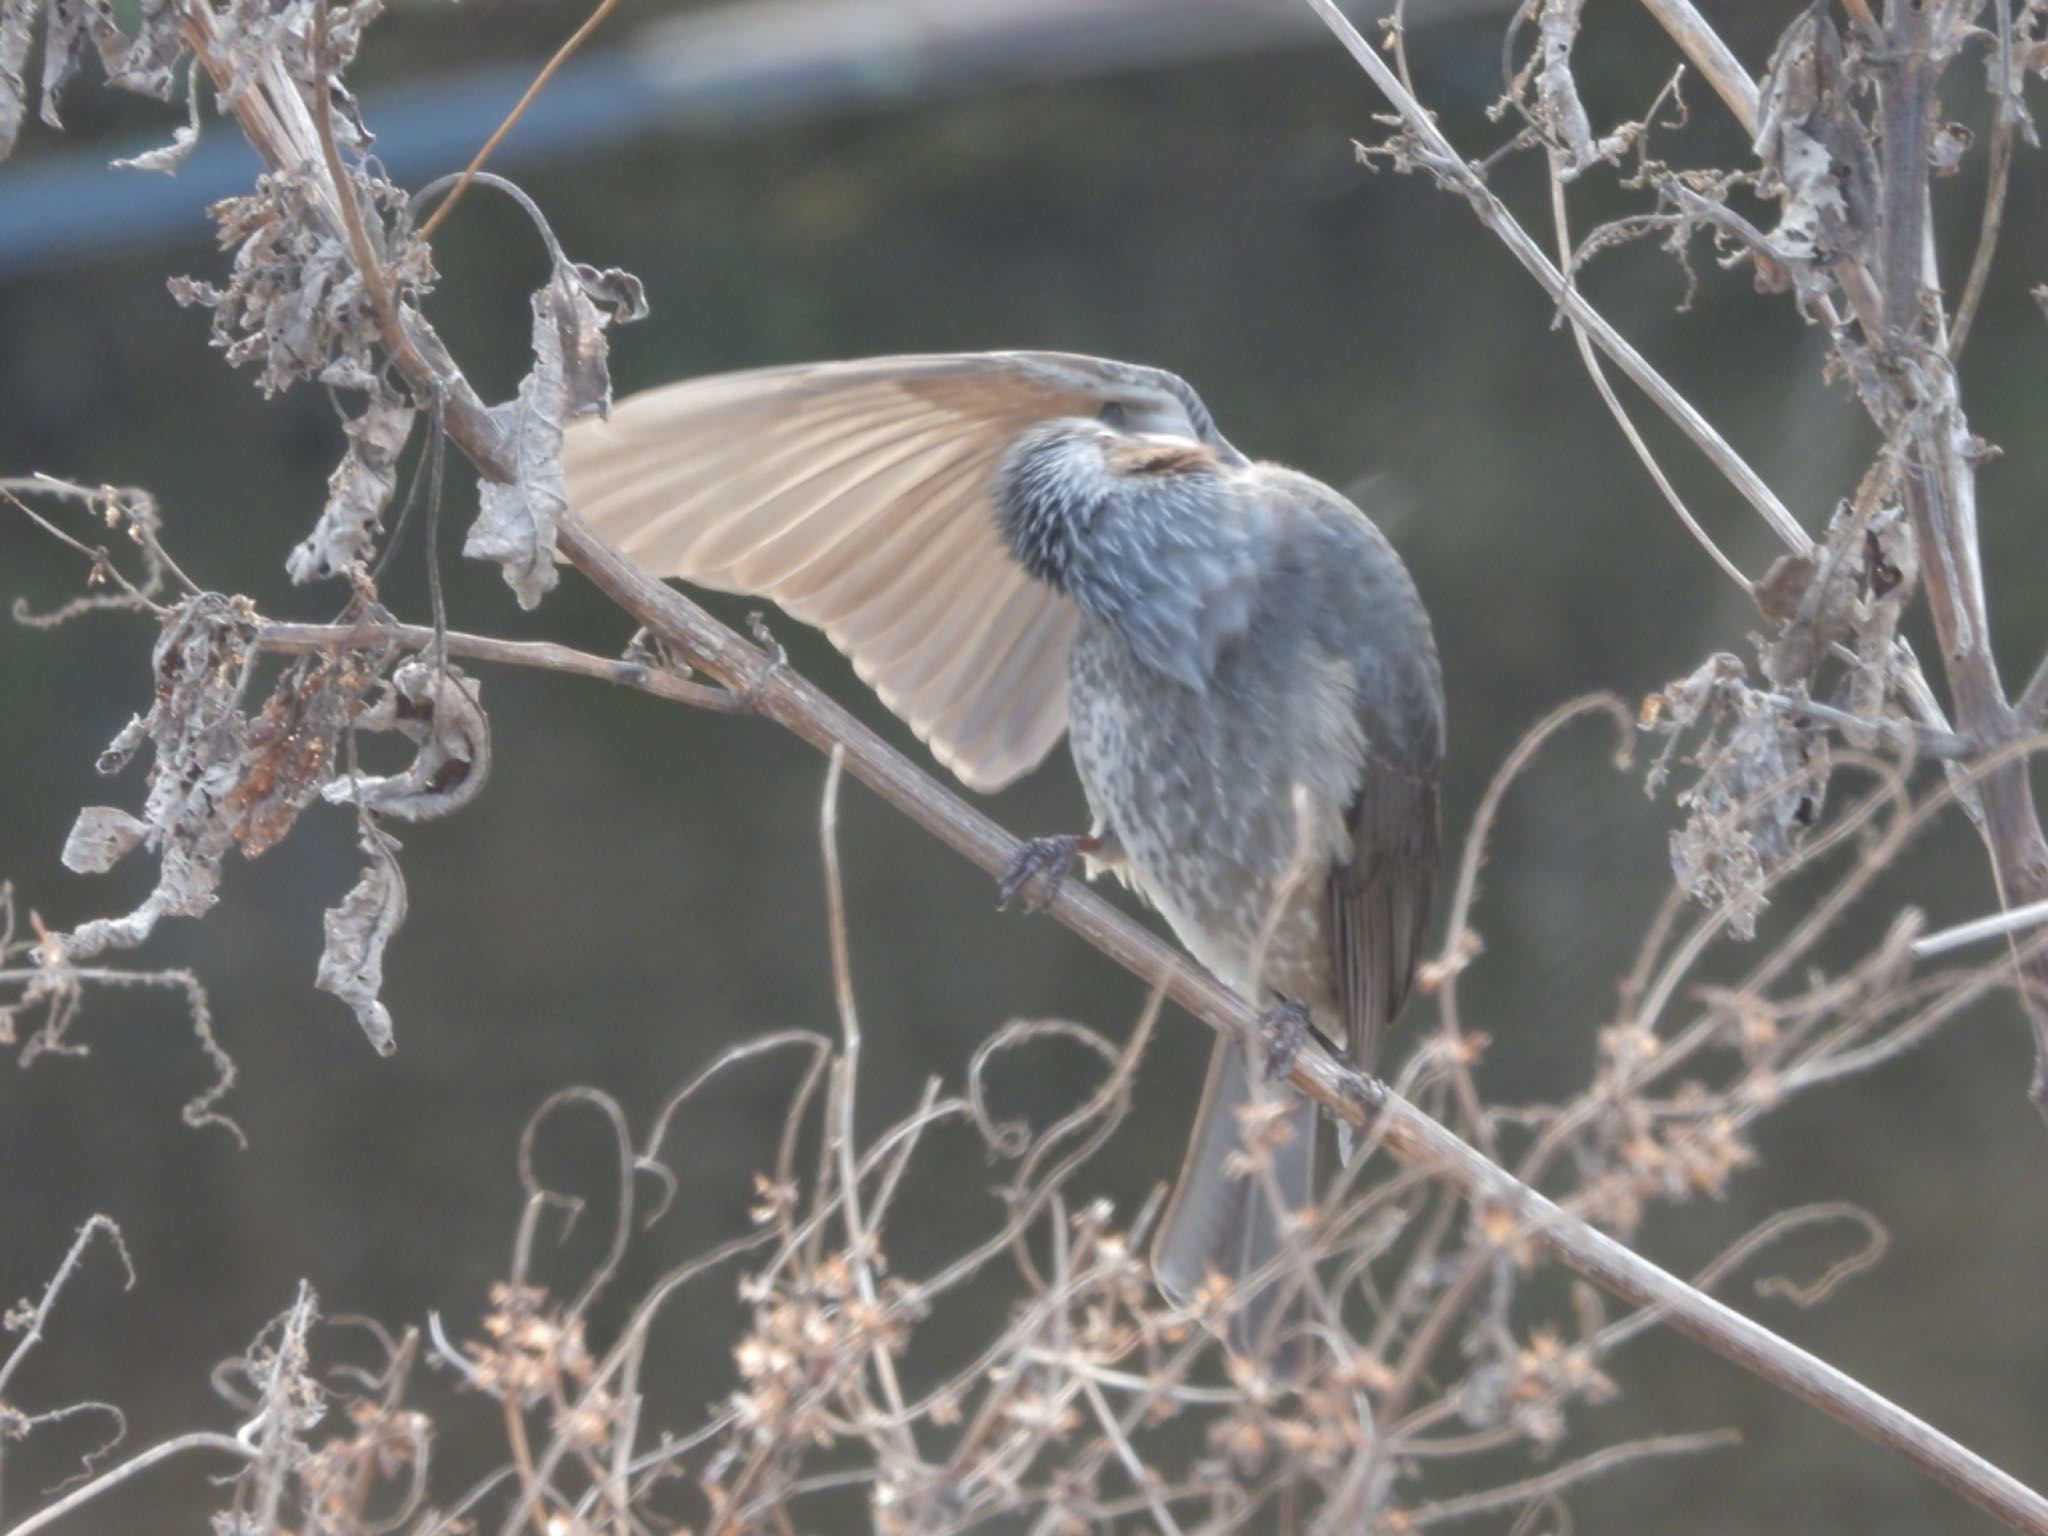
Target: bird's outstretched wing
857 496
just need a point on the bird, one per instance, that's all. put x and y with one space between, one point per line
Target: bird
1012 546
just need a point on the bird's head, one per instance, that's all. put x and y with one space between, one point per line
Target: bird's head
1067 483
1151 533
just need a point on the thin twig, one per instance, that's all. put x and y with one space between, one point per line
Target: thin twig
780 695
2011 921
540 655
1530 1489
777 693
1598 374
860 1242
540 82
1710 56
1998 176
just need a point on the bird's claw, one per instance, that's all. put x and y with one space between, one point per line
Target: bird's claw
1284 1030
1050 857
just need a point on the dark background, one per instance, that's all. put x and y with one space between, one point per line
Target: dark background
640 884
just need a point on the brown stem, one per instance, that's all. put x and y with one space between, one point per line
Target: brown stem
1998 178
1906 81
540 81
308 639
1925 417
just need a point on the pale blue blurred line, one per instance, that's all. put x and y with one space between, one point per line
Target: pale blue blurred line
72 203
741 65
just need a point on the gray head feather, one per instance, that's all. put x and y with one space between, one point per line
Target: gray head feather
1153 536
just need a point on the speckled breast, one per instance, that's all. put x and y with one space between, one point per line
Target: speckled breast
1227 802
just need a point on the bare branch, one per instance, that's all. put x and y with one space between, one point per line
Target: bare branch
2013 920
50 1514
1442 161
540 655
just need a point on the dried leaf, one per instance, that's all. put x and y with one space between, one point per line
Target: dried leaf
288 750
1891 571
17 32
1950 143
146 63
220 780
294 301
122 749
198 733
1822 611
101 837
358 930
1763 779
1814 148
438 709
357 492
515 523
63 52
581 290
167 158
1778 591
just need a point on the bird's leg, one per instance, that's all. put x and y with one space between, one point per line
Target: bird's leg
1052 857
1284 1029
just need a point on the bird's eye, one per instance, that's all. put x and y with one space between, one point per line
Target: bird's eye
1113 414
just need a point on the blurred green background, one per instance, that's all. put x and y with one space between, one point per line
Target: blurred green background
640 884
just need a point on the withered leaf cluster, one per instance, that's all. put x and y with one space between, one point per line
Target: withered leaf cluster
1762 781
225 778
324 286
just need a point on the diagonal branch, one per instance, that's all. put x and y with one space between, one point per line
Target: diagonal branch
773 690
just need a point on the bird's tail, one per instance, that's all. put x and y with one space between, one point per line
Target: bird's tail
1225 1220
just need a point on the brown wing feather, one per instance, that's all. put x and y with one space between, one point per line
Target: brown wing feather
1379 902
857 495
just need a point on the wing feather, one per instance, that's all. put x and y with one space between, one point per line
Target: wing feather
808 501
981 723
850 573
696 496
994 632
857 531
859 497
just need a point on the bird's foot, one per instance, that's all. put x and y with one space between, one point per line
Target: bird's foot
1047 860
1285 1031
